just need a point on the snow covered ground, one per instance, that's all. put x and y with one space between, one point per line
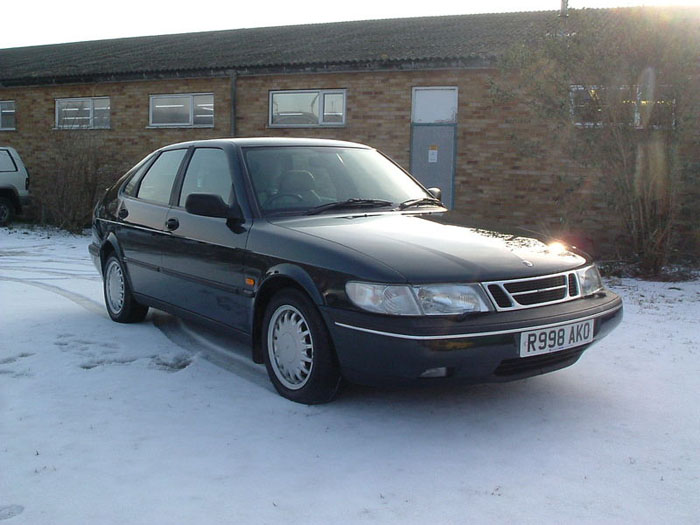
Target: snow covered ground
168 423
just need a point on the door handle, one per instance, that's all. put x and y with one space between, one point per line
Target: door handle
123 213
172 224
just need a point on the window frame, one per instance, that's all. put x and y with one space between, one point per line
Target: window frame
91 108
321 107
636 120
417 117
174 188
180 184
573 88
12 160
14 110
191 123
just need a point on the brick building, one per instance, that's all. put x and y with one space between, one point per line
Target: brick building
418 89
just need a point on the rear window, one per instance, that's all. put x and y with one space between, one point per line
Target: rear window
7 163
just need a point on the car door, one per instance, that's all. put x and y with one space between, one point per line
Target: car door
203 259
142 214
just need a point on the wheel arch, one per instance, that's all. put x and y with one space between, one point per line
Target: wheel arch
11 195
278 278
110 246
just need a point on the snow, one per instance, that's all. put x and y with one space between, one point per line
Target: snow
165 422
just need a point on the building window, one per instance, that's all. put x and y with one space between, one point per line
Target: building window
7 115
82 113
435 105
182 111
307 108
586 105
591 106
654 110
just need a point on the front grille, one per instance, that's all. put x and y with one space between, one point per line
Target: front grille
545 296
500 296
533 291
535 284
538 363
573 285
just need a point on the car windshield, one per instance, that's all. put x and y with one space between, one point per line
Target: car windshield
301 179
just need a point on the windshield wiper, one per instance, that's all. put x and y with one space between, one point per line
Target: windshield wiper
423 201
350 203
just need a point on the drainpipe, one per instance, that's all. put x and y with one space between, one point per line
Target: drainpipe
232 77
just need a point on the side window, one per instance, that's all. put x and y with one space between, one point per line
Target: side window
158 182
208 172
6 162
133 184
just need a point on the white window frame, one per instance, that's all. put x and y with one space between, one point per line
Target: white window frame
189 124
92 112
321 110
14 110
453 91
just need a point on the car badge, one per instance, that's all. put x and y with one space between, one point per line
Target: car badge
528 263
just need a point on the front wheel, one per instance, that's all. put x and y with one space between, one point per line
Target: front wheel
298 352
121 305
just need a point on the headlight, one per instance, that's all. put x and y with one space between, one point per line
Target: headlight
589 279
382 298
435 299
451 299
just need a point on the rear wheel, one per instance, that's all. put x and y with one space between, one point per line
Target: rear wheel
7 211
298 352
121 305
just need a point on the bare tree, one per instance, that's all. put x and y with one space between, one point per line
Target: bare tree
619 92
79 173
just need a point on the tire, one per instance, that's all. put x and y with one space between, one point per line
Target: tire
7 211
120 303
297 348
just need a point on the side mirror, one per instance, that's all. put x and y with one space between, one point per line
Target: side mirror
436 192
210 205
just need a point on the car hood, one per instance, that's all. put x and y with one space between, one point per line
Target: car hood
436 248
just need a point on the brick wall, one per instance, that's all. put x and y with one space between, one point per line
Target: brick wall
129 138
497 178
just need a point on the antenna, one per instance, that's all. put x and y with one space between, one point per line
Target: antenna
564 9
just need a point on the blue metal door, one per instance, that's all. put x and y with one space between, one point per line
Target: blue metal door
433 138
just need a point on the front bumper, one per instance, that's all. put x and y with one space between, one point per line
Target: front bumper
379 350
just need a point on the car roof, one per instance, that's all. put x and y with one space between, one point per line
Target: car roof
270 141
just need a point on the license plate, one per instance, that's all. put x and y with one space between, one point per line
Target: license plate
557 338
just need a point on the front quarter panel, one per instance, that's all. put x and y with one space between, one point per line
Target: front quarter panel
321 267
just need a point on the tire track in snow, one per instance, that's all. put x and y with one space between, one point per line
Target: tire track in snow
80 300
51 271
219 350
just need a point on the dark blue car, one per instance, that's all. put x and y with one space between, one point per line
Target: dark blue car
333 262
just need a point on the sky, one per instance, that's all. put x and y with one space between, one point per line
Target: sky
80 20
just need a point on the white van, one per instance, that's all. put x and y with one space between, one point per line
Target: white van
14 184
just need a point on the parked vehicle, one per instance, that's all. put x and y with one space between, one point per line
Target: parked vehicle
333 262
14 184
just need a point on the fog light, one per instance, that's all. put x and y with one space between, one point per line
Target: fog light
435 372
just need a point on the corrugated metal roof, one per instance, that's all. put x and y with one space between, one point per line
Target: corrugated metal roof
355 44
